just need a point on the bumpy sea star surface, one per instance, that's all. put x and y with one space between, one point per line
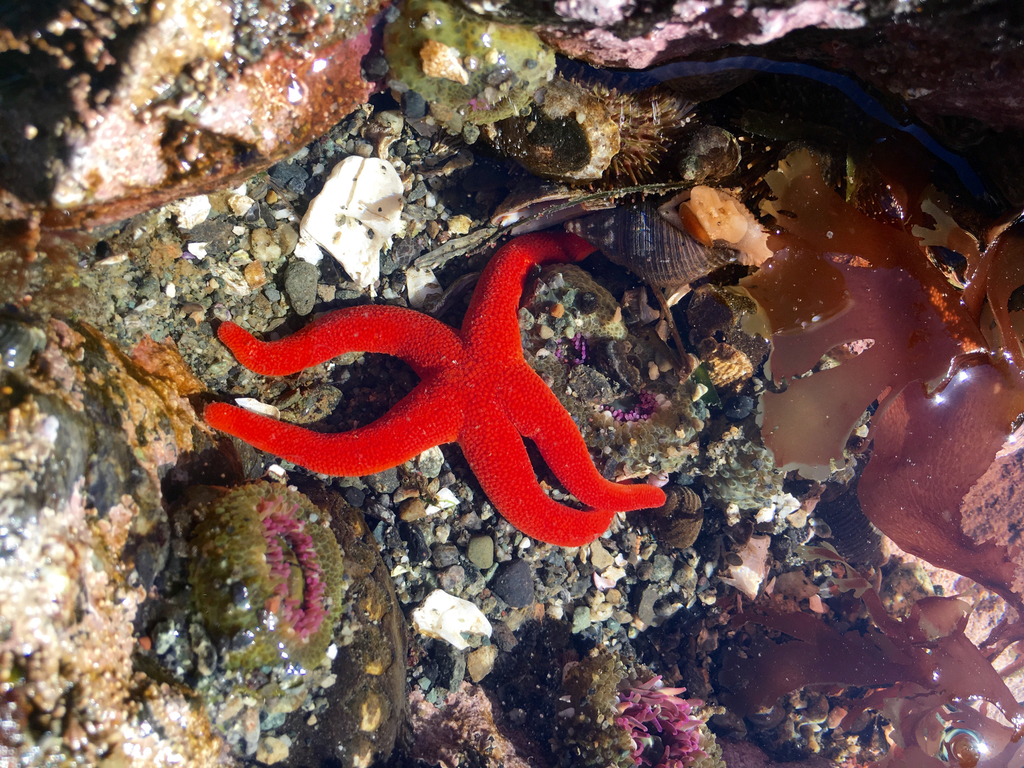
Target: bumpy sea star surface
476 389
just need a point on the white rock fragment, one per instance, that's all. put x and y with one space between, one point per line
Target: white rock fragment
354 217
747 578
240 204
190 211
445 500
422 285
307 249
447 617
197 249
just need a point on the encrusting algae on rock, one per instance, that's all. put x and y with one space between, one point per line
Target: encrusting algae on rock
267 576
617 382
469 70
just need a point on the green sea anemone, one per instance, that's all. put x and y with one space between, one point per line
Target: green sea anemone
266 575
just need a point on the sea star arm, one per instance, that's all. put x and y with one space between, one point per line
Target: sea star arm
417 422
491 320
424 343
536 413
496 454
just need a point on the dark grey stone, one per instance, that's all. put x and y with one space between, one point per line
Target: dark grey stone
513 583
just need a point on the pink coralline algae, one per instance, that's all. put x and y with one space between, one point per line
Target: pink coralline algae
653 715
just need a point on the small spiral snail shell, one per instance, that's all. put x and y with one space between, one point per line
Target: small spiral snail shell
639 238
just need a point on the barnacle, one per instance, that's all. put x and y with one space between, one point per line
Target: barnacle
267 576
568 135
576 132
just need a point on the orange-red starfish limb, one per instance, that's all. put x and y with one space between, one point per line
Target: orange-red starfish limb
476 389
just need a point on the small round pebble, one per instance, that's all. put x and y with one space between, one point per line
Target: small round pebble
481 662
445 555
429 462
300 281
481 552
600 557
514 583
272 750
450 579
580 619
645 610
355 497
663 567
411 510
414 105
376 67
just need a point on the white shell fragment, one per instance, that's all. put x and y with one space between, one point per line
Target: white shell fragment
445 500
422 286
355 217
747 578
190 211
258 406
447 617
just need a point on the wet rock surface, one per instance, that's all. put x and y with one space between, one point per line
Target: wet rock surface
146 108
87 432
661 592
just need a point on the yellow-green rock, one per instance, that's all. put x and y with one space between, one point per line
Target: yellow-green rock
468 69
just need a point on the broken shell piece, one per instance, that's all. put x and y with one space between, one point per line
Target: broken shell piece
257 406
422 286
355 217
549 202
190 211
749 576
447 617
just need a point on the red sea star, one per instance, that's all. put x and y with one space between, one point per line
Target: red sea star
475 389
